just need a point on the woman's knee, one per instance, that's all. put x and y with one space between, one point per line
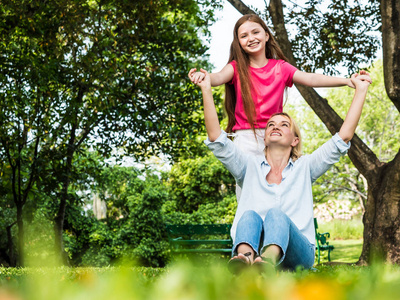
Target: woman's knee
276 214
250 216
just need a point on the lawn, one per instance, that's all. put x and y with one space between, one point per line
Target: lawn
207 279
346 251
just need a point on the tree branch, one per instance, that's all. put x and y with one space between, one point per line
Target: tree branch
241 7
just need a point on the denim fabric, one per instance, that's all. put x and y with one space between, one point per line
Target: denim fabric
275 229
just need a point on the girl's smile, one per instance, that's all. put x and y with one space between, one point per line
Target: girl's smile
252 37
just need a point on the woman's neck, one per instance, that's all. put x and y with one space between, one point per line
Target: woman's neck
278 158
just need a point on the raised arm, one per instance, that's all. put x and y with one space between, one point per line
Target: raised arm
216 79
353 114
210 113
320 80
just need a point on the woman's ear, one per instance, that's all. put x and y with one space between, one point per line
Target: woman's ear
295 141
266 37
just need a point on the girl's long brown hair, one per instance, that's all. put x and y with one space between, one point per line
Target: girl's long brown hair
272 50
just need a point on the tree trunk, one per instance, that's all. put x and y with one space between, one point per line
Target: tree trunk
10 246
390 13
20 224
382 216
382 209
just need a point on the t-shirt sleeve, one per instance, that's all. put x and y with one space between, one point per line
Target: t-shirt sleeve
288 71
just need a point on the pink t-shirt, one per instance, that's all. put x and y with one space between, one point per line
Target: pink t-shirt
269 84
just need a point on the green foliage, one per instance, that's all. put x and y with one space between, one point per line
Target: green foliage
199 181
145 228
222 212
133 228
80 74
334 33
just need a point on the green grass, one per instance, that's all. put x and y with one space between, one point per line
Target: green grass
343 229
346 236
347 251
209 279
186 281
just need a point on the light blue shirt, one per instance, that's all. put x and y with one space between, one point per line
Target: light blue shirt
293 195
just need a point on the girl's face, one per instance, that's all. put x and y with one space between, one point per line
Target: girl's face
252 38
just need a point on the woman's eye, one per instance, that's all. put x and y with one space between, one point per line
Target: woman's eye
270 124
285 125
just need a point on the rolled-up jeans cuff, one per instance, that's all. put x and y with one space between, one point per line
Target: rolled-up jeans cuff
234 248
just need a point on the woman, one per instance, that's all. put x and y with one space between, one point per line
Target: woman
273 224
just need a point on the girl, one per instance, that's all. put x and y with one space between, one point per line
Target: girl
255 80
273 223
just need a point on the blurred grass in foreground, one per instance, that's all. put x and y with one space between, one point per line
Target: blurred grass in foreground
208 281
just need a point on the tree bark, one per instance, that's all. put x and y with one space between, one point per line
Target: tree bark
382 215
390 13
10 246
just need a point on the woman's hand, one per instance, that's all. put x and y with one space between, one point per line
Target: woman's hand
196 77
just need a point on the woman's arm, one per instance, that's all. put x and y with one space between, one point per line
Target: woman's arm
353 115
319 80
216 79
210 113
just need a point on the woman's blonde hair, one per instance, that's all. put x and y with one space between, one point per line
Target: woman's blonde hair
296 150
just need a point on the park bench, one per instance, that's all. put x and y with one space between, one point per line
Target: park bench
322 243
195 239
192 239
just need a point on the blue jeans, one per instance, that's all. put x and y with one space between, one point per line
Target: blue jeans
276 229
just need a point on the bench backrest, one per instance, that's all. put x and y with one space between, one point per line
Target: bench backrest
198 229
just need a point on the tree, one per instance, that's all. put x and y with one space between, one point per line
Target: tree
382 218
376 128
98 74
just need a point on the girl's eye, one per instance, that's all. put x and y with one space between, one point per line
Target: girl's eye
284 124
270 124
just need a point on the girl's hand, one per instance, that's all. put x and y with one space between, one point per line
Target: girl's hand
196 77
361 80
363 76
205 83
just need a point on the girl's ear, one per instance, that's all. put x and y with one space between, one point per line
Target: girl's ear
267 37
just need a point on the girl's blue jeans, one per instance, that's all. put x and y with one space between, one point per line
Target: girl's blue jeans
275 229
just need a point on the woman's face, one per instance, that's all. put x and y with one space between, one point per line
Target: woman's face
252 37
279 131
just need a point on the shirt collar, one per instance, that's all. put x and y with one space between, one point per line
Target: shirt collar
265 162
